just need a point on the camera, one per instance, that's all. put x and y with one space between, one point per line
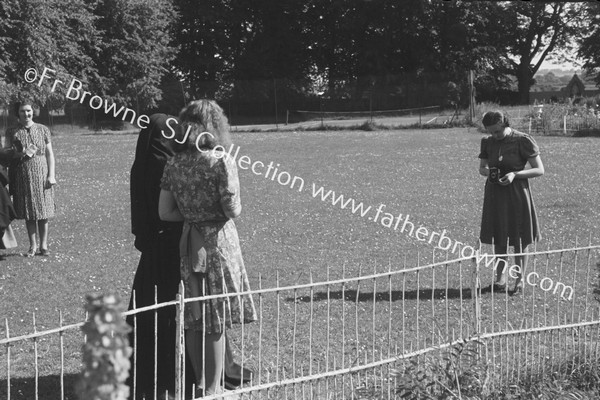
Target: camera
494 175
31 150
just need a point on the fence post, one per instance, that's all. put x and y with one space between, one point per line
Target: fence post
475 284
179 346
565 124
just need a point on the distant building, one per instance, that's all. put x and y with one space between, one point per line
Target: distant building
575 90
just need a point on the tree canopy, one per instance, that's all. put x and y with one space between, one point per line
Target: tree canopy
589 49
118 49
136 51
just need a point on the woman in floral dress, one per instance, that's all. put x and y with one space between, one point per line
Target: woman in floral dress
32 177
200 186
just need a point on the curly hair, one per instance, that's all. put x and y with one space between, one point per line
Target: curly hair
197 118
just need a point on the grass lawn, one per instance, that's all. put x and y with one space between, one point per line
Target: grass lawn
432 175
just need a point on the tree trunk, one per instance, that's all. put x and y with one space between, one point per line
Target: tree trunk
44 116
525 79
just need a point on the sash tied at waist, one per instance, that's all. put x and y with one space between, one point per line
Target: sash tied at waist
193 245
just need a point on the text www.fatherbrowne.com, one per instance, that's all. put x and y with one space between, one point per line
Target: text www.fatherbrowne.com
399 222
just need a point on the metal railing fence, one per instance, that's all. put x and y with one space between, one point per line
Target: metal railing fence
341 337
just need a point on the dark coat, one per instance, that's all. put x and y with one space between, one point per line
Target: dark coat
158 269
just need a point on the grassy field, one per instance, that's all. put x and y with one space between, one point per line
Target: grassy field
430 174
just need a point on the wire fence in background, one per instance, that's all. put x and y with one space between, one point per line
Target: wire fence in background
417 117
353 336
556 120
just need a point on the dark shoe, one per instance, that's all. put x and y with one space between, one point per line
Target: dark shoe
518 290
235 380
44 252
499 288
231 385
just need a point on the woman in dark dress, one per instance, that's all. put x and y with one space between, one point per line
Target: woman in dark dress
509 217
158 269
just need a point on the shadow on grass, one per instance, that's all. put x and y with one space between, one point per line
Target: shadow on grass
396 295
48 388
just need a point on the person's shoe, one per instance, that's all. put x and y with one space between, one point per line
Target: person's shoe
44 252
235 380
229 385
497 287
518 290
31 252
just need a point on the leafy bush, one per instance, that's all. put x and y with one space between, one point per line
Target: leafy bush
459 373
579 118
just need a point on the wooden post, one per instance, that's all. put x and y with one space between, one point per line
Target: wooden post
275 95
180 346
475 286
471 96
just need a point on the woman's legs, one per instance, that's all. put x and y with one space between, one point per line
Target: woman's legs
31 226
214 346
43 228
501 265
521 261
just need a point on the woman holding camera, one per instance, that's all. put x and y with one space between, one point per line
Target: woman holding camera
32 176
509 217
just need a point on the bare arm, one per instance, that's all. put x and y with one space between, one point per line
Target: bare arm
51 178
483 167
537 169
167 207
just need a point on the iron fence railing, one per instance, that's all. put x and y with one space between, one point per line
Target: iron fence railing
343 336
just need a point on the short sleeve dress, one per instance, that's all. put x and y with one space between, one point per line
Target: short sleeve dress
204 184
31 199
509 214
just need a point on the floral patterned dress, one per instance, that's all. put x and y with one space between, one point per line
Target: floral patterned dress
204 184
31 198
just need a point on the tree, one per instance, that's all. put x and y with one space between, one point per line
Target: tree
464 36
134 50
56 34
203 37
118 49
589 49
532 31
271 52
